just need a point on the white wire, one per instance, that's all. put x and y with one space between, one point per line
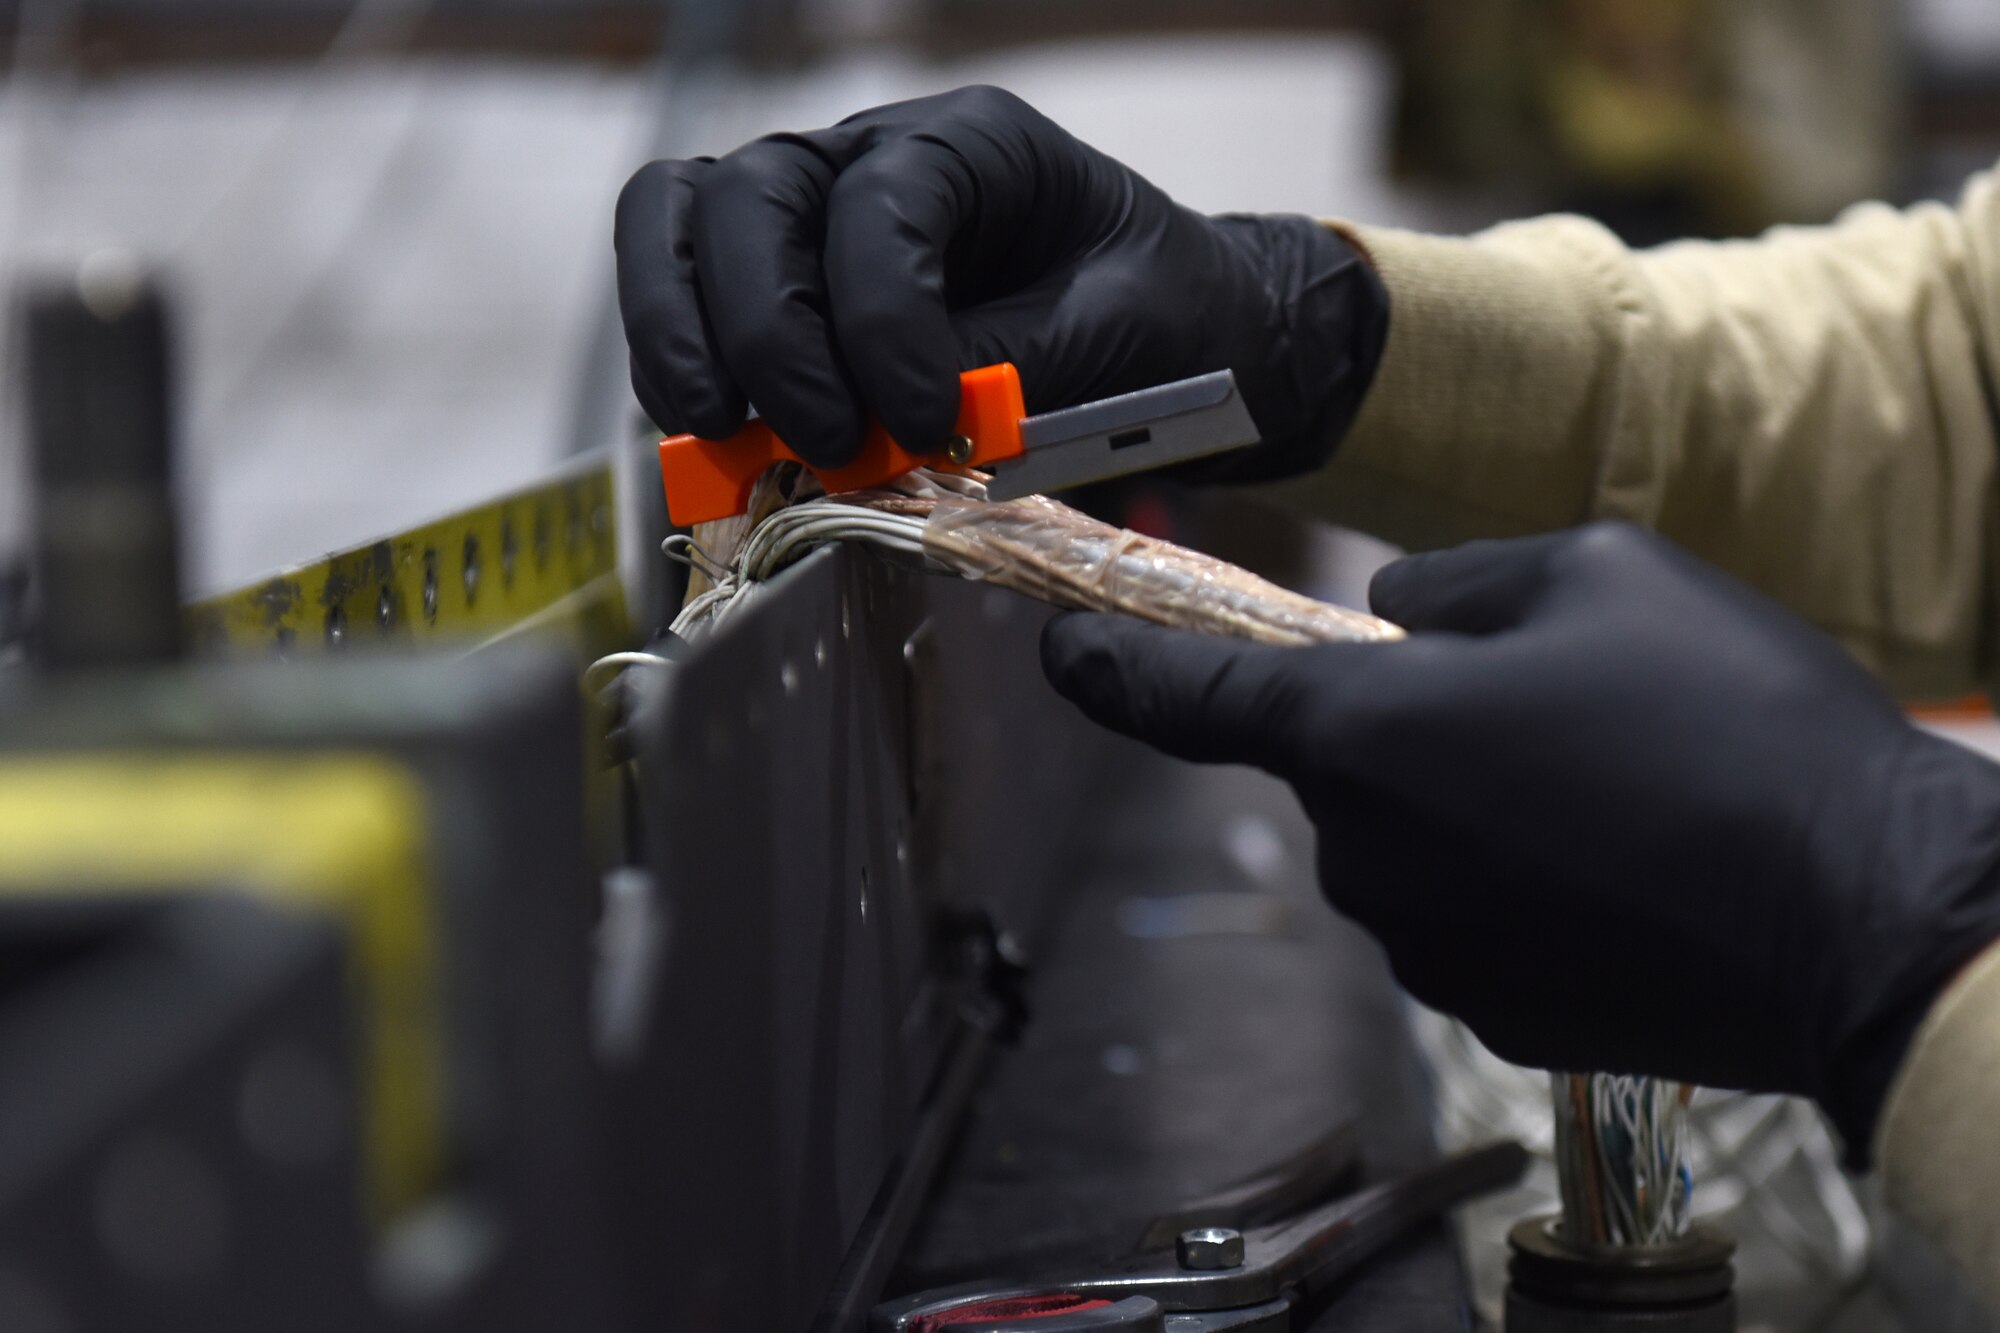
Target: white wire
683 549
612 663
788 535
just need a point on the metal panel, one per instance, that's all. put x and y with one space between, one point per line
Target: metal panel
853 768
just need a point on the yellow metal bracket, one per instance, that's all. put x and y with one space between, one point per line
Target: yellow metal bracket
336 832
545 558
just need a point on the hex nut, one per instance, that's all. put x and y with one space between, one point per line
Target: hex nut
1206 1249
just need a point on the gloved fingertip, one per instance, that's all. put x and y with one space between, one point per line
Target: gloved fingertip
654 404
1069 640
1390 590
709 418
1481 587
923 421
826 443
1015 330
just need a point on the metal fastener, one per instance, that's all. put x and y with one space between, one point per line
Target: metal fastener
1205 1249
430 585
959 449
470 574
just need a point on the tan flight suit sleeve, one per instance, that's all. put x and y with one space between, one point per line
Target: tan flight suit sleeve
1937 1145
1813 410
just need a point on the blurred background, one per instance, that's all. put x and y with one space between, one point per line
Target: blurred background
385 230
386 223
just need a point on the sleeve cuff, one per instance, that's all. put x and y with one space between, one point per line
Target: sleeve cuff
1493 410
1939 1135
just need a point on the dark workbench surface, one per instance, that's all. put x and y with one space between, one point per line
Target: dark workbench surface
1198 1014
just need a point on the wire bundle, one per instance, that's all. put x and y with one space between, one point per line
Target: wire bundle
787 535
1621 1150
1768 1166
1051 552
1034 545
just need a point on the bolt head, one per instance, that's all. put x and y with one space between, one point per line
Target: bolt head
959 449
1206 1249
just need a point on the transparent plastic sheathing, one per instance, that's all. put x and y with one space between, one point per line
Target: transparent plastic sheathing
1035 546
1054 553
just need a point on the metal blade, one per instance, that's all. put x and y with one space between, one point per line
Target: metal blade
1134 432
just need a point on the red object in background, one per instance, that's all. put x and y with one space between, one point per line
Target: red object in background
1149 515
1975 707
1043 1305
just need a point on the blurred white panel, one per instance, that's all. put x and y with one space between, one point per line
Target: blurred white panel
1251 124
1254 123
1980 734
384 277
1956 31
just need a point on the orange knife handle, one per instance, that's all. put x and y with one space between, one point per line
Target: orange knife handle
711 479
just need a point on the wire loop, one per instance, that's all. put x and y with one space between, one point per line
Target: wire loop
683 549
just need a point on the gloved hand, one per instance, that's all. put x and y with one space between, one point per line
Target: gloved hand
858 269
1613 809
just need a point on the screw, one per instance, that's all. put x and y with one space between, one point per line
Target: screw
1206 1249
471 558
959 449
385 610
336 627
430 585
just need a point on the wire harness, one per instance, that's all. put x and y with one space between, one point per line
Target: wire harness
1621 1150
1767 1166
1035 546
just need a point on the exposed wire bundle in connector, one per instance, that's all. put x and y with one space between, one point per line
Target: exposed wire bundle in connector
1621 1148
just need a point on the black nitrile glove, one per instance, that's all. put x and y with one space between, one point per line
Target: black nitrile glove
858 269
1613 809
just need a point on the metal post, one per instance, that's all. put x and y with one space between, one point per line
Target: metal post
106 555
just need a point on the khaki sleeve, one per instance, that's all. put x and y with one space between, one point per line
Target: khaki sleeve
1937 1147
1812 410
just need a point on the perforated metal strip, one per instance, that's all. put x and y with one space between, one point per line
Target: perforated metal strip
544 557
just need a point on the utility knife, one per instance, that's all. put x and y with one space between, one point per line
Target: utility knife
1026 455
